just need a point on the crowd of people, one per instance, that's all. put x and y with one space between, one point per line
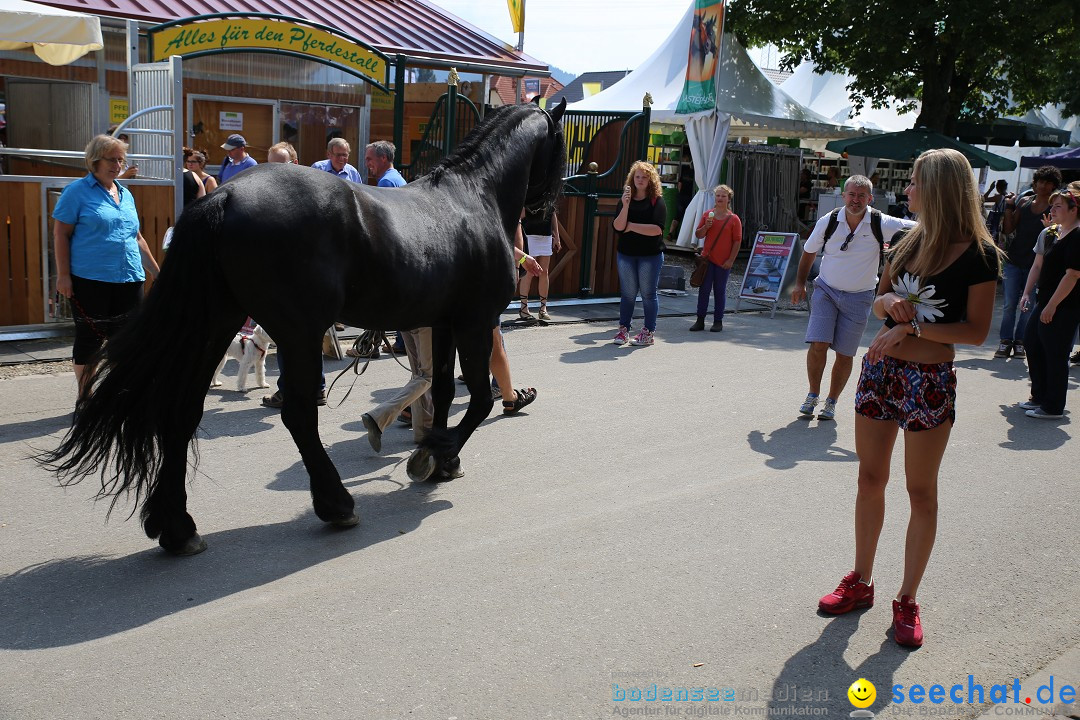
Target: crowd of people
931 282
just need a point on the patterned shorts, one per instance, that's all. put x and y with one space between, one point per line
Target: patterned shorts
918 396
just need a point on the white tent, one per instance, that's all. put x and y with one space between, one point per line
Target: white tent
57 36
827 94
747 102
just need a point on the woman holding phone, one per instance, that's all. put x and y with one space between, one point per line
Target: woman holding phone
639 221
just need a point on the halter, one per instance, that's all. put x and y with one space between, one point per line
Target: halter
245 339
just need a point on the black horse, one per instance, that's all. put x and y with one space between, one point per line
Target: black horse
298 249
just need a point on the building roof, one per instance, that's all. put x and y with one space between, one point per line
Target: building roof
576 90
424 32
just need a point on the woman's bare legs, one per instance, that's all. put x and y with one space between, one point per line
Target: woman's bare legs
874 441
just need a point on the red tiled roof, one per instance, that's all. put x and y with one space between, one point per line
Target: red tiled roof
415 28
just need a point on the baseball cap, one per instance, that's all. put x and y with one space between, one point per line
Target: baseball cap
233 142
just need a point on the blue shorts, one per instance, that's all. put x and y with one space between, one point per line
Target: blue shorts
838 318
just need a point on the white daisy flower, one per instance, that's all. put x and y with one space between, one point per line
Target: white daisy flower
926 306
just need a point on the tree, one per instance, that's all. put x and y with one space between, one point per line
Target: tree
963 59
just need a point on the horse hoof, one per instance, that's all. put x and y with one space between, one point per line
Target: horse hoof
192 546
449 470
421 465
346 522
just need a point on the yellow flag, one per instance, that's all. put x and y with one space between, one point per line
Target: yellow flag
517 14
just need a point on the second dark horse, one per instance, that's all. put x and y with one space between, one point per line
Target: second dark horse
298 249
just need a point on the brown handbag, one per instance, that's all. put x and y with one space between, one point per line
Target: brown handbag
701 262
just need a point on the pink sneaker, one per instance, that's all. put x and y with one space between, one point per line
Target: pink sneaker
907 627
644 337
850 594
622 336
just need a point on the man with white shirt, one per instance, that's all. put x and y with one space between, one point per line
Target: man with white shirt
337 161
850 240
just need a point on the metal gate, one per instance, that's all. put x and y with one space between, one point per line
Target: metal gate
156 124
453 118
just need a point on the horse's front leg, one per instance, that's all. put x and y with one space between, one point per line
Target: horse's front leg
302 365
439 444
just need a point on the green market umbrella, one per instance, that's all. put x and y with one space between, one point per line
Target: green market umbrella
1007 131
909 144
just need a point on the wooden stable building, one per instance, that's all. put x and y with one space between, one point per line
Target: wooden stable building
304 92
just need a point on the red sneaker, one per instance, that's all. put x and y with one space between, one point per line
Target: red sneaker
850 594
907 628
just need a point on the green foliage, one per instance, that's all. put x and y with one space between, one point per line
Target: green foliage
963 59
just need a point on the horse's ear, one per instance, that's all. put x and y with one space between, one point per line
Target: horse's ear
536 100
557 113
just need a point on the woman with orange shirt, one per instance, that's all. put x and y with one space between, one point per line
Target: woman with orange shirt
722 230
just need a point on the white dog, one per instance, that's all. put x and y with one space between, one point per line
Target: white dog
248 351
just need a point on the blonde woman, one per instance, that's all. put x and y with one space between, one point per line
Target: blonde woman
101 257
721 232
937 291
640 218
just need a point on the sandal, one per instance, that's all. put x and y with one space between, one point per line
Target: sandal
524 313
522 397
543 314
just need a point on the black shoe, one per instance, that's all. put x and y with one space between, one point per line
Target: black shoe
273 401
374 434
699 325
717 326
1075 359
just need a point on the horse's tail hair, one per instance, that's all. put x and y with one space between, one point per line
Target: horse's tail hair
140 389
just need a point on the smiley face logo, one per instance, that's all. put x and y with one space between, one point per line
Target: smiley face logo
862 693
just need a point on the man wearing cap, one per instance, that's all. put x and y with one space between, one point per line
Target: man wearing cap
337 161
236 157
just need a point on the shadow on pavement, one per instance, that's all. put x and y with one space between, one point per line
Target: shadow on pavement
818 676
30 429
1026 433
802 440
64 602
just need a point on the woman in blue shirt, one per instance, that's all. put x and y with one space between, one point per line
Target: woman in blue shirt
100 253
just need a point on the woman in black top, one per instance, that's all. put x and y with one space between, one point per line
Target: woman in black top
937 290
639 220
1057 313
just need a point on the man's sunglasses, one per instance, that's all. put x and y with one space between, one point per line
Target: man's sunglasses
847 241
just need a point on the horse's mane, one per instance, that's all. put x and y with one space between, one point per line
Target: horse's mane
489 139
479 144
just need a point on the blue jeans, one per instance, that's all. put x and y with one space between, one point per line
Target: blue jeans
639 274
1012 329
715 283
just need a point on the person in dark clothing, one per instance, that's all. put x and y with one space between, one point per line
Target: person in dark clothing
639 220
1025 218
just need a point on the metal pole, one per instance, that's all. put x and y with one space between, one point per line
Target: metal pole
520 47
176 67
132 57
451 112
587 231
399 106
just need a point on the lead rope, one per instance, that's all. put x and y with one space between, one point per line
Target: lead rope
365 346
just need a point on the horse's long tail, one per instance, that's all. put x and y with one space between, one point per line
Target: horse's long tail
144 386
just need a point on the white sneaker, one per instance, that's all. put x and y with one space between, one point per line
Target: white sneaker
1040 414
645 337
807 408
829 411
622 336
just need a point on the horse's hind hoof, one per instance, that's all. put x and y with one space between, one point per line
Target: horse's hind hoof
421 465
346 522
192 546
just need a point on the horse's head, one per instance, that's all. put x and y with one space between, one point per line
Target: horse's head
549 164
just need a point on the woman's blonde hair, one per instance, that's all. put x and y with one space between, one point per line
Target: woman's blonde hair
949 210
725 188
99 145
654 190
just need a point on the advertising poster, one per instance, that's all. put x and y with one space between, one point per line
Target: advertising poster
767 266
703 60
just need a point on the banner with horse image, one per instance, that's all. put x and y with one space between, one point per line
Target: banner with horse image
703 63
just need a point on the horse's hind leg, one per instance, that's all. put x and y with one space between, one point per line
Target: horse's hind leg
438 442
302 358
164 514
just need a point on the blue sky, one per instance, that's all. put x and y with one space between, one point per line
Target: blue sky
579 35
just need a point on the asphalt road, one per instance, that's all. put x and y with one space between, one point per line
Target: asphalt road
659 520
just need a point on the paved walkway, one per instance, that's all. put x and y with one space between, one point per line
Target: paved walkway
659 519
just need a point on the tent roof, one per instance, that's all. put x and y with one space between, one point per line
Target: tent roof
827 94
743 91
57 36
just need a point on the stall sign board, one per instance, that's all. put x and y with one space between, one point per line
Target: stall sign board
767 267
118 110
230 120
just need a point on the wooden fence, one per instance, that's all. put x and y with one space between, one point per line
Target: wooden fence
27 277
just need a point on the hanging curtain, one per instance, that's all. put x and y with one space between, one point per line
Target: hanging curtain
706 134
